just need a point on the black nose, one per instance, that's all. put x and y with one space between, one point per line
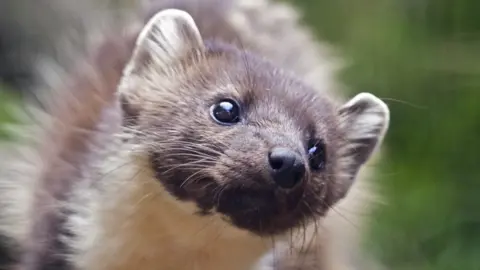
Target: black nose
287 167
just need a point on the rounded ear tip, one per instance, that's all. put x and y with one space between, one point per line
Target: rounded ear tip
380 107
372 101
174 17
177 27
173 12
372 104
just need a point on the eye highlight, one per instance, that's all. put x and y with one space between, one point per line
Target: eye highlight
317 154
225 112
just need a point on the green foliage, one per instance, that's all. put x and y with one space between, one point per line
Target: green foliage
423 58
7 99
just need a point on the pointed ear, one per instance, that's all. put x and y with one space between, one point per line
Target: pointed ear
364 121
167 37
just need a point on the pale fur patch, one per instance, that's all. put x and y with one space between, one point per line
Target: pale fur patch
20 168
17 188
136 215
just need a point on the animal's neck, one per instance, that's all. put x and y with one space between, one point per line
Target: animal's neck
147 227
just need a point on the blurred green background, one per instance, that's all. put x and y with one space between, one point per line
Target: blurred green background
423 58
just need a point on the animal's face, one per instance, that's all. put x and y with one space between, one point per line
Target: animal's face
238 136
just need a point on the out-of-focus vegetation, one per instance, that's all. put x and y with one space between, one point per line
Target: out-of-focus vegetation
7 97
423 58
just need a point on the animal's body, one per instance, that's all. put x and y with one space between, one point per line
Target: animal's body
202 135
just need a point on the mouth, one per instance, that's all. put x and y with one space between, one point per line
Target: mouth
256 206
262 211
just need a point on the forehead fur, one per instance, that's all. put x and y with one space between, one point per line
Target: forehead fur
268 93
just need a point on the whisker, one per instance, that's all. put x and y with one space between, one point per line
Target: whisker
188 165
190 177
405 103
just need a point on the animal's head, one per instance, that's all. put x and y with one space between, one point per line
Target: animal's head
238 136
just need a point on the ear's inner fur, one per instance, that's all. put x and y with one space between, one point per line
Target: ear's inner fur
167 37
364 120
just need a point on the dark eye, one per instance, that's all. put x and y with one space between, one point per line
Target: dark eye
317 154
225 112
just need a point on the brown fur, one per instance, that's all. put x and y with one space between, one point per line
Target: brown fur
166 91
270 119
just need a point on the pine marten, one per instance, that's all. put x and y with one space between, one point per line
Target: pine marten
196 135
